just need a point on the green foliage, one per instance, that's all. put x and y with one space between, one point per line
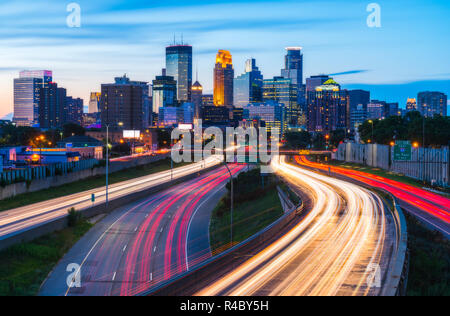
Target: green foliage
74 217
298 140
429 273
409 127
72 129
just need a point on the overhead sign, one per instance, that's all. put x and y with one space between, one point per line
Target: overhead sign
305 152
185 127
131 134
69 145
402 151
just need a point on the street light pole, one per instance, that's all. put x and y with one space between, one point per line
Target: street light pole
107 160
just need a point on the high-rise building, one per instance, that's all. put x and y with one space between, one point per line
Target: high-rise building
164 92
197 99
376 110
122 104
327 107
358 116
315 81
248 86
215 115
391 109
293 69
432 103
411 105
223 79
283 91
94 102
50 106
271 113
357 98
207 100
27 96
179 66
73 110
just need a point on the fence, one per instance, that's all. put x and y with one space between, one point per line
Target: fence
426 164
43 172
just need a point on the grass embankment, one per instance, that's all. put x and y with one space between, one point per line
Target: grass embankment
386 174
25 266
429 270
85 184
255 208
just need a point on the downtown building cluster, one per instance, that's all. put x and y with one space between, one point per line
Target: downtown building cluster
287 102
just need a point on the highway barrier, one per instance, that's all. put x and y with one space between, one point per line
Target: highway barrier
194 280
62 222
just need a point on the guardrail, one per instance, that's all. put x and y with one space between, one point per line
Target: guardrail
192 281
397 278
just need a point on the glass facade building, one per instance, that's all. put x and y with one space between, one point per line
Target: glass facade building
432 103
283 91
248 86
164 92
271 113
179 66
223 79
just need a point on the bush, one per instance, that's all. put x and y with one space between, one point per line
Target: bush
74 217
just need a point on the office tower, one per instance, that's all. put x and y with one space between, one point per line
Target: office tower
432 103
358 116
197 99
73 111
27 96
207 100
122 104
170 116
271 113
94 102
391 109
315 81
216 115
50 105
188 109
293 69
223 79
411 105
179 66
357 98
376 110
248 86
164 92
283 91
327 107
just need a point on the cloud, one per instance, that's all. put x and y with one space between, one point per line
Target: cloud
349 72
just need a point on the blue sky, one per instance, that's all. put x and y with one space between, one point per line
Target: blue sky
409 51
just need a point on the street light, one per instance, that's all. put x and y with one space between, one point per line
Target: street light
107 160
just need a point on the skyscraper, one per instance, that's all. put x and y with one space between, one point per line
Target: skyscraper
248 86
179 66
197 99
327 107
51 105
123 102
314 81
432 103
283 91
293 69
94 102
74 110
411 105
358 102
27 96
164 92
223 79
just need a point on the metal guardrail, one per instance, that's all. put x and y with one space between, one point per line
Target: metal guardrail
398 274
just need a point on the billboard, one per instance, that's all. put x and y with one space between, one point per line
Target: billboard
131 134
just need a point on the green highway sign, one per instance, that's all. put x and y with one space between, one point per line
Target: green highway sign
402 150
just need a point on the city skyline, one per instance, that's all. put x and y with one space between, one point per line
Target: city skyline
110 42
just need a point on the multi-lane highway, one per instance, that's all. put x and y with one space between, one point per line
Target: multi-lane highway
336 249
433 209
147 242
17 220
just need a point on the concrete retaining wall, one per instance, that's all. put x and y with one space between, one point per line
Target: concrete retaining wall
41 184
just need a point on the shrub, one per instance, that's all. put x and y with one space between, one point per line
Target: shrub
74 217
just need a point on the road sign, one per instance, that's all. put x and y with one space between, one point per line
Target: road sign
93 198
402 150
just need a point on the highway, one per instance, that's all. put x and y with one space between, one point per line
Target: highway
20 219
147 242
334 250
432 209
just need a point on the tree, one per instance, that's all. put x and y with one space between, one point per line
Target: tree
72 129
298 140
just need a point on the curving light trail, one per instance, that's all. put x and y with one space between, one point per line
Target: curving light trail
327 253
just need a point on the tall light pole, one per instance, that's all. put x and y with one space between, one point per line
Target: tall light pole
373 142
107 160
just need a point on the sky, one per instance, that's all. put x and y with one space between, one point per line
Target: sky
407 54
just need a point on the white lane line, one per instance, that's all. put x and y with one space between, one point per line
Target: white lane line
136 229
124 248
154 249
114 276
